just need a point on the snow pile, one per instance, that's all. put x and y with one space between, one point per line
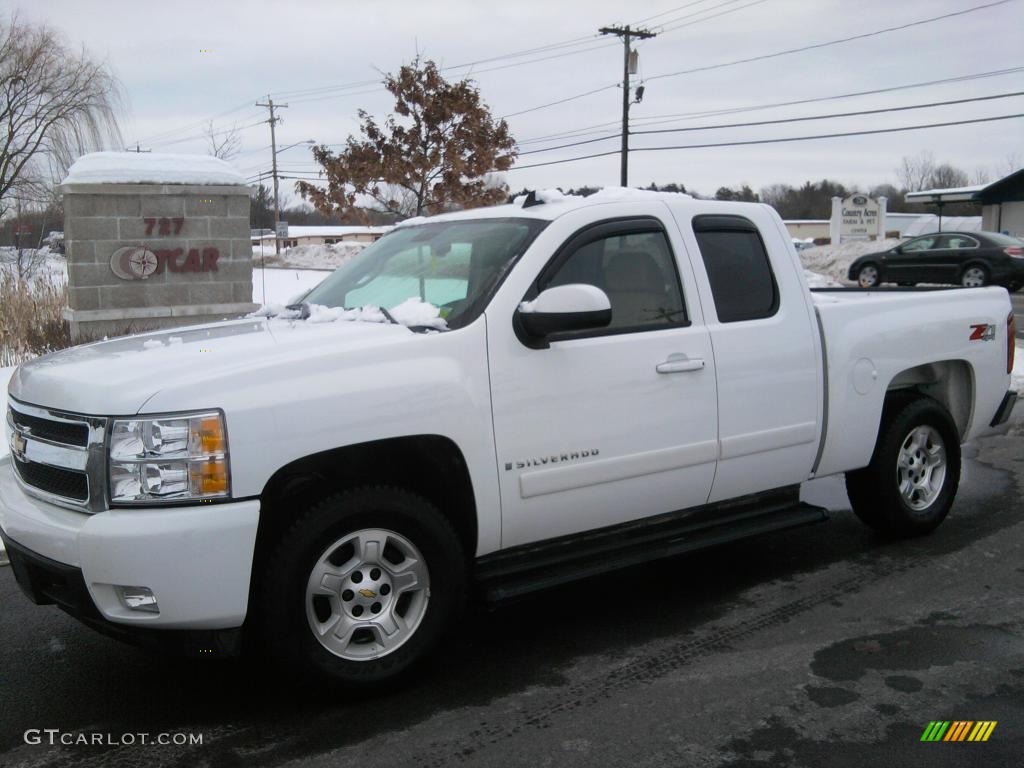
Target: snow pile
151 168
816 280
308 256
834 260
412 312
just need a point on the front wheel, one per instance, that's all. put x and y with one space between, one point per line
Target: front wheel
909 486
867 276
362 587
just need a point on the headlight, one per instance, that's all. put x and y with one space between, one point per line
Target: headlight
169 458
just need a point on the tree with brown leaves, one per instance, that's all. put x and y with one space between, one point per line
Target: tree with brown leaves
436 152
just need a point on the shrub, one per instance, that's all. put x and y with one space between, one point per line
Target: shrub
31 318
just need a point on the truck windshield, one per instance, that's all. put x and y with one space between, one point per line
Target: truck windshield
455 265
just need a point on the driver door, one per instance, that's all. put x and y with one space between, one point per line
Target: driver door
589 433
911 264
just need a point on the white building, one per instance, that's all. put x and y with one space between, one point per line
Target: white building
325 235
1002 203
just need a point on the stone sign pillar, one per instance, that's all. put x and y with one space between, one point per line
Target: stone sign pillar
154 241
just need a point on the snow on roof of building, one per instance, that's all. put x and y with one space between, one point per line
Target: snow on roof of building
151 168
951 195
327 230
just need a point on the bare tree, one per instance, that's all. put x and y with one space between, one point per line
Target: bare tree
1010 164
947 176
915 172
224 144
55 103
981 175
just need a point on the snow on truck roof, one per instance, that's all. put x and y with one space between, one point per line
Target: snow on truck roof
152 168
549 204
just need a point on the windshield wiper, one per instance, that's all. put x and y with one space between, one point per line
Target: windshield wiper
302 308
389 317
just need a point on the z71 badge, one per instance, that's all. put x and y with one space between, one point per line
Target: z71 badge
983 332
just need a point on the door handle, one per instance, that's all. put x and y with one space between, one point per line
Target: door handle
679 363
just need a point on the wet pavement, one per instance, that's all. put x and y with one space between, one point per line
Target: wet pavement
824 646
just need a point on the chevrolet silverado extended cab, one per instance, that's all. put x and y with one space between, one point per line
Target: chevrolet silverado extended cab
484 402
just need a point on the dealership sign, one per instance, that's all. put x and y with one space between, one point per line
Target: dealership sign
139 262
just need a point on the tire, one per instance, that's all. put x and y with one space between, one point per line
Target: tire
869 276
875 491
386 539
1014 287
974 276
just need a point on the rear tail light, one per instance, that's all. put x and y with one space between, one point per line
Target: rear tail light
1011 341
1014 250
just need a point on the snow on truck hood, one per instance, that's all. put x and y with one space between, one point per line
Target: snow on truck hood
119 376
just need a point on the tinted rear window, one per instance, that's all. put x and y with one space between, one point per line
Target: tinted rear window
738 268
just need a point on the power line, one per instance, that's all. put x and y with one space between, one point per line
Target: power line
775 141
828 43
776 54
781 121
656 119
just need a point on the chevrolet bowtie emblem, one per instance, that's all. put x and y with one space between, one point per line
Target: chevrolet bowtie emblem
18 444
367 593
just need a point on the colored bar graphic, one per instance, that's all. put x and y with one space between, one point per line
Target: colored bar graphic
958 730
935 730
982 730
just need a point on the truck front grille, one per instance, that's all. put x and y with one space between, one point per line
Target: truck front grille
55 480
58 456
65 432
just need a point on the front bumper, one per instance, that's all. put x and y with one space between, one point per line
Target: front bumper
197 560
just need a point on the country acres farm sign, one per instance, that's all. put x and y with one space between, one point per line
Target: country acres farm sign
857 217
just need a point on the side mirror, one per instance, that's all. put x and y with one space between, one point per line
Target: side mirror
897 250
574 307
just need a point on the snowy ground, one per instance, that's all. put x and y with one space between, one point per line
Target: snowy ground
307 256
834 260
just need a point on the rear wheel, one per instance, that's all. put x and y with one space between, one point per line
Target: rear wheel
361 587
975 276
909 486
868 276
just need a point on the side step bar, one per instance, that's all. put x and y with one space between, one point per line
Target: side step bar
509 574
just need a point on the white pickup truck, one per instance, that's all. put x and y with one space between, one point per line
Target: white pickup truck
484 402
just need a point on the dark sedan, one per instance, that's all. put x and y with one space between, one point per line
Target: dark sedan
970 259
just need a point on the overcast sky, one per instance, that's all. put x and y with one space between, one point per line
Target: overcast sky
159 51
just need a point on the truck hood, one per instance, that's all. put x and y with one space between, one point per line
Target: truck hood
119 376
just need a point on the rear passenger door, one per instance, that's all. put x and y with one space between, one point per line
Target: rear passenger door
953 251
766 355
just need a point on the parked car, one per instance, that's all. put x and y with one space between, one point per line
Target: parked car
485 402
970 259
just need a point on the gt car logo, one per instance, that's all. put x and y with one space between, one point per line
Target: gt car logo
983 332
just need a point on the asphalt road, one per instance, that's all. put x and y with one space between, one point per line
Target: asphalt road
825 646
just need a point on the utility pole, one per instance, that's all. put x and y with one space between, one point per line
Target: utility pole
273 148
139 150
627 34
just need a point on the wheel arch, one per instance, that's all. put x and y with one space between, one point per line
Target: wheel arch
948 382
431 466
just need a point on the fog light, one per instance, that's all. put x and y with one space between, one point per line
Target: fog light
139 599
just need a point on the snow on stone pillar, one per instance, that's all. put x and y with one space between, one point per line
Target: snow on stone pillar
836 220
882 203
154 241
